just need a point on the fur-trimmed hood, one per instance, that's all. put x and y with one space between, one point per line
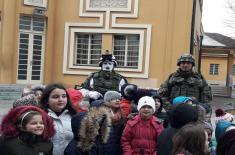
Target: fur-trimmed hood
9 127
96 122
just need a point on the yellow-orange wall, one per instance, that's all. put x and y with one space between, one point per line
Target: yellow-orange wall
222 61
171 31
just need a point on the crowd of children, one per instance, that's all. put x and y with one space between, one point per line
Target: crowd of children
53 120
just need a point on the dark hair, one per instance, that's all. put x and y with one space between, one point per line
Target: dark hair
191 138
156 96
46 93
226 144
26 117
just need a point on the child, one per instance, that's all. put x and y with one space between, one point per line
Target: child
55 100
191 139
38 92
26 130
222 115
112 103
91 133
141 132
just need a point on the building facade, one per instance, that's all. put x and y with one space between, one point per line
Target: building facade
44 41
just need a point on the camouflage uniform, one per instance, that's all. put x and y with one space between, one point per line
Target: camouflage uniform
190 84
104 81
193 86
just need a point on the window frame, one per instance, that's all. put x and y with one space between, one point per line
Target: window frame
73 31
126 45
89 49
214 69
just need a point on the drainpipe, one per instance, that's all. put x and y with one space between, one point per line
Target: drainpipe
200 54
192 27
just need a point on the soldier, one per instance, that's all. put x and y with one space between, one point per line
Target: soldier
186 82
105 79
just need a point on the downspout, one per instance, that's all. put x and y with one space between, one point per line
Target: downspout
192 27
200 54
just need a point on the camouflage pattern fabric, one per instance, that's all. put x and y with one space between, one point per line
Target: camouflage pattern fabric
192 85
104 81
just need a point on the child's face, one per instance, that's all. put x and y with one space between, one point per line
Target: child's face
115 103
35 125
157 103
146 112
38 94
57 100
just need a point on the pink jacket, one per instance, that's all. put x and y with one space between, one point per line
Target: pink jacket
140 137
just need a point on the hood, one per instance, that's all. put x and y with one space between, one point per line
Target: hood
89 129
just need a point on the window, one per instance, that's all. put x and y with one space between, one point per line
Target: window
31 48
214 68
88 49
126 50
233 69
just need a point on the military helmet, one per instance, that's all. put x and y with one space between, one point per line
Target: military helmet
107 57
186 58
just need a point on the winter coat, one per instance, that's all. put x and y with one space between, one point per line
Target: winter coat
140 137
26 144
190 84
164 143
63 129
89 139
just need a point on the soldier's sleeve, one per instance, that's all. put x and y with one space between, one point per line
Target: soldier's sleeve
206 93
164 90
86 83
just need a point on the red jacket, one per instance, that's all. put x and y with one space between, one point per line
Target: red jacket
140 137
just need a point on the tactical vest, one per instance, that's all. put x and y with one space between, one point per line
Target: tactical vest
193 86
104 81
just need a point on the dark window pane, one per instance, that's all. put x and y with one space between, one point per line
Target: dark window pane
35 77
22 51
23 61
22 77
22 72
35 72
36 67
23 56
22 66
36 62
22 35
36 57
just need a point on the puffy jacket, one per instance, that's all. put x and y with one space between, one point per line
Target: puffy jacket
140 137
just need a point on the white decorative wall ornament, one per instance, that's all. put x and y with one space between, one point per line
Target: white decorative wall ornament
108 4
107 27
38 3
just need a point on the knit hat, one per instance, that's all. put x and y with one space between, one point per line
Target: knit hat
146 100
26 100
129 91
181 99
182 114
111 95
221 127
221 115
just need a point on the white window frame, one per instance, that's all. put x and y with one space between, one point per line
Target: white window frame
214 69
72 48
31 33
